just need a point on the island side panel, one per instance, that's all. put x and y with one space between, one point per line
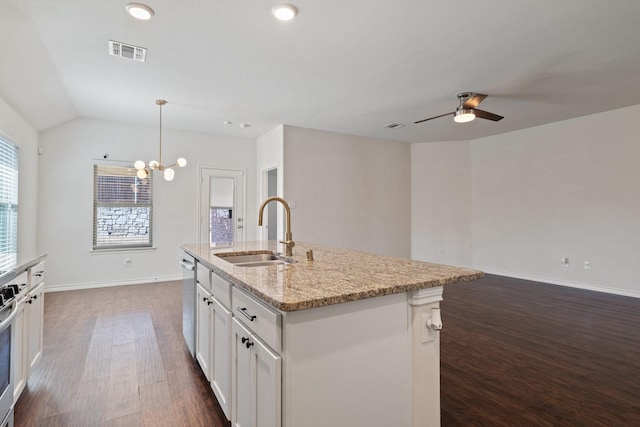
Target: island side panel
425 358
348 364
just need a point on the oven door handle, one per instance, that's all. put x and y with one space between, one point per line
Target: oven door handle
9 319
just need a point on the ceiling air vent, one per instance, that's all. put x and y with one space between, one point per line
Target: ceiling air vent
393 126
127 51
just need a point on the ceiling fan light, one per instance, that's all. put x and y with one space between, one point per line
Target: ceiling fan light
464 115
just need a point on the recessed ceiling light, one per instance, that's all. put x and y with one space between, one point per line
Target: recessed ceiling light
227 122
140 11
285 12
244 125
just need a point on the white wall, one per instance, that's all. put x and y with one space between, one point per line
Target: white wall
567 189
271 155
18 131
441 202
66 197
349 191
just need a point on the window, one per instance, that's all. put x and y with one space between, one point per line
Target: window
8 204
122 208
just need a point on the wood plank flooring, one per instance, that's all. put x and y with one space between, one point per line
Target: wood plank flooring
513 353
520 353
116 357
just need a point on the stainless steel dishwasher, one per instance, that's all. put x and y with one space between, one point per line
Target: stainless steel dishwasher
188 264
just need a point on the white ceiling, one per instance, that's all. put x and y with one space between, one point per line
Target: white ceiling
348 66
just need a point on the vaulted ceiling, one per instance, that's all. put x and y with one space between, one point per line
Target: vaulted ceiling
348 66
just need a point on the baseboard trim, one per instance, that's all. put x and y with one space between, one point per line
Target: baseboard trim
614 291
95 285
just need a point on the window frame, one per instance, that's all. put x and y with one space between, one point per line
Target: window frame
10 152
127 170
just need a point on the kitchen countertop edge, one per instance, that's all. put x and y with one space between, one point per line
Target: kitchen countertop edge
227 271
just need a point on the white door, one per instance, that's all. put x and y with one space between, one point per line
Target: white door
222 207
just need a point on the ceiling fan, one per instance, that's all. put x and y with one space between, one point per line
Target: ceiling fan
467 110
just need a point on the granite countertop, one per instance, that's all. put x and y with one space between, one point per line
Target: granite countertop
23 264
334 276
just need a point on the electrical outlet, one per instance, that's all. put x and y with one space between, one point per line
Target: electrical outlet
587 265
428 334
127 262
565 262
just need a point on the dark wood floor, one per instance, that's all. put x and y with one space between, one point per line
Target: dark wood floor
519 353
514 353
116 357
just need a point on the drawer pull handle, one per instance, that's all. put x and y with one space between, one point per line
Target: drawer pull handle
246 342
243 311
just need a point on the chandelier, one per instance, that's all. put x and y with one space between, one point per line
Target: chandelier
145 169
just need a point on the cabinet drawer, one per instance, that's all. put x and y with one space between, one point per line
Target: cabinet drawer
203 276
264 322
36 274
221 289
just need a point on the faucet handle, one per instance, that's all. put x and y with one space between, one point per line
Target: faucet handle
289 244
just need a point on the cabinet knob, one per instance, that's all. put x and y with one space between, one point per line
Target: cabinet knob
35 297
248 344
244 340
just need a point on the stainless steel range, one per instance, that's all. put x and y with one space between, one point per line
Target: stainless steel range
8 309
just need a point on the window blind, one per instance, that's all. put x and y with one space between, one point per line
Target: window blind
8 204
122 208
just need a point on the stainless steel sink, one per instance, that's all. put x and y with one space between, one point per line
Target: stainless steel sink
255 260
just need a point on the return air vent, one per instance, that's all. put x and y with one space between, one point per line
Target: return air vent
393 126
127 51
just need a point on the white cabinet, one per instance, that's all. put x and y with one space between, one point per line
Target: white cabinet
256 381
213 336
29 323
221 356
20 351
35 322
203 328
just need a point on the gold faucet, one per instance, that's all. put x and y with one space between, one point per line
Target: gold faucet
288 239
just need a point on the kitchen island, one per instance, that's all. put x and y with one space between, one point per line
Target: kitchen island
348 338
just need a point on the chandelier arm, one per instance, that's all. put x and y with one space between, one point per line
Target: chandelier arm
160 159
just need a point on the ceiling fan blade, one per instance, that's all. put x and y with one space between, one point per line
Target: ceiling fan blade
435 117
487 115
474 101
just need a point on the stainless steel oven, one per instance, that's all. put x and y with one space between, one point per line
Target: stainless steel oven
8 309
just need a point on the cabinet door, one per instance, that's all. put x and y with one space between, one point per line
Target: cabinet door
242 381
221 356
20 355
256 381
35 318
203 329
267 366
